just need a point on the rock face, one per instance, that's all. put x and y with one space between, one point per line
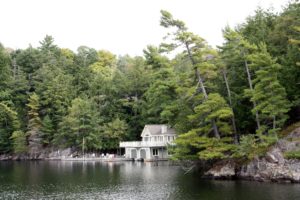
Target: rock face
272 167
42 154
222 170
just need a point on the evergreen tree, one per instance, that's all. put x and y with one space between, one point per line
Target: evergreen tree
161 93
47 130
223 71
296 41
112 133
195 47
34 124
5 75
8 124
211 112
270 96
97 97
243 49
81 122
19 142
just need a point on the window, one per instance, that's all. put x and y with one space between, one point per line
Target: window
155 152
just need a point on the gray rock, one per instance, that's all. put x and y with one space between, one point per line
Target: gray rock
296 177
272 167
271 158
222 171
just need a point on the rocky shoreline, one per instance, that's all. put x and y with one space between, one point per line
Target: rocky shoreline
273 167
56 154
41 155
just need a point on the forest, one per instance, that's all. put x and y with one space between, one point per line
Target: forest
226 102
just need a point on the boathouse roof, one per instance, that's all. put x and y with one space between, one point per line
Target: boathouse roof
158 129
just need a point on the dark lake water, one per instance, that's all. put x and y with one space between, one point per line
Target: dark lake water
126 180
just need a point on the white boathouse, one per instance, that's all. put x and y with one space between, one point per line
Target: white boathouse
155 140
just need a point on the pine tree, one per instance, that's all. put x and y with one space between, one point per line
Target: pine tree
8 124
296 41
80 122
112 133
47 130
162 91
224 72
34 125
5 75
272 104
211 112
19 142
240 48
196 49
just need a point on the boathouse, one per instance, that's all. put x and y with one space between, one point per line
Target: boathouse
155 140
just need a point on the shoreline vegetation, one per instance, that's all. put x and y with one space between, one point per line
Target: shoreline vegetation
231 106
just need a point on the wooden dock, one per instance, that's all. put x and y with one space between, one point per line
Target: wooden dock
102 159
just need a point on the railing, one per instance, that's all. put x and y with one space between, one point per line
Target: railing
143 144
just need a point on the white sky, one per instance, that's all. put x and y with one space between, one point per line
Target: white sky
120 26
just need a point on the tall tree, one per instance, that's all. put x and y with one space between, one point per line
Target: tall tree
5 75
296 41
195 47
240 46
47 130
211 112
81 122
112 133
34 125
19 142
223 71
270 96
161 92
8 124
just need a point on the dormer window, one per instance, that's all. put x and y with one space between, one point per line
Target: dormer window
163 129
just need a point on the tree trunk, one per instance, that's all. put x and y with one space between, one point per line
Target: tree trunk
200 81
251 88
15 68
274 122
236 136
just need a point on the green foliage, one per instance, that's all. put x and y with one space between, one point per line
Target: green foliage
289 129
214 108
192 146
253 145
159 96
258 27
5 75
47 130
296 42
292 155
8 124
19 142
269 95
112 133
34 123
80 122
60 97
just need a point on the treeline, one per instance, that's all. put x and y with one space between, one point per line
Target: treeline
224 102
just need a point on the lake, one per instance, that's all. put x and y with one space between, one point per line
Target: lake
126 180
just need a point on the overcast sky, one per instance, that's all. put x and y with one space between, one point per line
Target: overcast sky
120 26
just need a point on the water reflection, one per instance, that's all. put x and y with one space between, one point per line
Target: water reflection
125 180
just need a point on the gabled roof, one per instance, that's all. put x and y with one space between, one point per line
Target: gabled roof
156 129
